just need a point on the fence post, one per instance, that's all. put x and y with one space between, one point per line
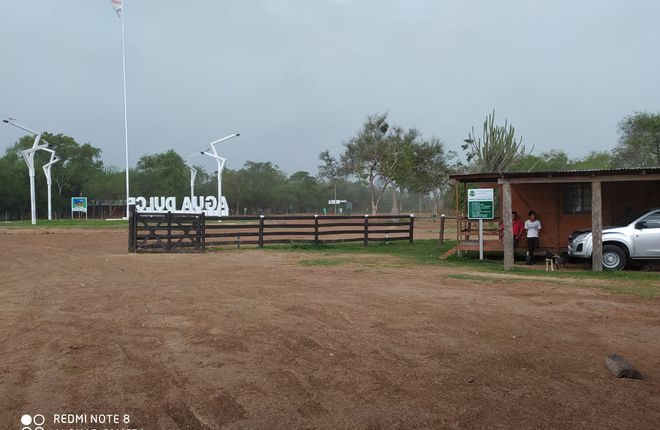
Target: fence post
132 230
202 228
442 229
412 228
366 230
169 231
316 229
135 227
261 231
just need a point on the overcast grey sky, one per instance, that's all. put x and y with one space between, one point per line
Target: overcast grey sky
295 77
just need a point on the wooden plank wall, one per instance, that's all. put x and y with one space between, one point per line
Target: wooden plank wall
547 200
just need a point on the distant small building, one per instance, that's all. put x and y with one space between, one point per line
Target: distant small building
568 200
106 208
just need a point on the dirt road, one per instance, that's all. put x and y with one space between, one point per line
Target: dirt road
254 340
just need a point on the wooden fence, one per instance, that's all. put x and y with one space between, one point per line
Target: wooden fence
169 232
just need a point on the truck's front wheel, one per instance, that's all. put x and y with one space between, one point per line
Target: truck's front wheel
614 258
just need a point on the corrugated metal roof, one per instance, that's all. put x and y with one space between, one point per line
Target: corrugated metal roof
493 177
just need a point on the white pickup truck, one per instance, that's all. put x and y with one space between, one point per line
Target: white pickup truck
634 237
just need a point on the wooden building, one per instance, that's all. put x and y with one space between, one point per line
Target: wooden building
568 200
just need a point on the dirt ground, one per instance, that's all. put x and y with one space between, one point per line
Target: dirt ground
254 339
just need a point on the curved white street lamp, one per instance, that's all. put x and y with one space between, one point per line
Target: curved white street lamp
222 203
193 174
28 156
46 167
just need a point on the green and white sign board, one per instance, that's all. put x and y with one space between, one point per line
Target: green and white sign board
79 204
480 203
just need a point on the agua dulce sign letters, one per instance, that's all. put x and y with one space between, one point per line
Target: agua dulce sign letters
207 204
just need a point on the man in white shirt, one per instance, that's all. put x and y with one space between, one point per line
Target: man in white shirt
533 227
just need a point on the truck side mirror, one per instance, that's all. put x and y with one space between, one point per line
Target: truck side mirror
640 225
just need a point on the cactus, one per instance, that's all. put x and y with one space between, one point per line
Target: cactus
497 150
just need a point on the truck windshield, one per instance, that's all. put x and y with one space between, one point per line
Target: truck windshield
628 219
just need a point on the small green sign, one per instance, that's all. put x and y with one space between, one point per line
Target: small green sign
480 203
79 204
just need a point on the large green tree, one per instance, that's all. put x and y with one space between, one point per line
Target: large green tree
262 186
78 166
162 174
108 189
401 164
593 161
331 171
14 188
555 159
304 193
639 141
430 169
376 153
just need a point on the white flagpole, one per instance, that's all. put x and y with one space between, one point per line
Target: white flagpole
123 59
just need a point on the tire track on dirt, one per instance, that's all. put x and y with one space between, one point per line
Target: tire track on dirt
187 409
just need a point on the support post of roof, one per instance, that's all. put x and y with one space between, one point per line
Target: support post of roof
507 237
597 226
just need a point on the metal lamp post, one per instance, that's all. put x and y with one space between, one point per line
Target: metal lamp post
28 156
193 175
221 164
46 167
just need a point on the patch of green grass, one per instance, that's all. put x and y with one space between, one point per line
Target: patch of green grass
66 223
623 275
484 278
324 262
426 252
644 284
493 262
642 289
420 252
635 289
363 263
464 277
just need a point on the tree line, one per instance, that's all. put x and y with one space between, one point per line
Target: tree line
255 188
383 167
498 150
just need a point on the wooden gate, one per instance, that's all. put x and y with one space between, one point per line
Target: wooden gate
166 232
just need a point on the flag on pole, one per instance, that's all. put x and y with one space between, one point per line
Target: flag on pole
118 5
